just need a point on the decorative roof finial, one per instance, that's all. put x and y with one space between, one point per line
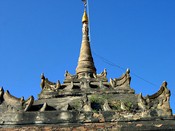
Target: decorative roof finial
85 3
85 17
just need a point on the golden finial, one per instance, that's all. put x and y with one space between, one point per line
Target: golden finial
85 17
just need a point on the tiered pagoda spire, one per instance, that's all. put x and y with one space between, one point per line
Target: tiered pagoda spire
85 65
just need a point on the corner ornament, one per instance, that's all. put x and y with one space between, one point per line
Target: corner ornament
47 85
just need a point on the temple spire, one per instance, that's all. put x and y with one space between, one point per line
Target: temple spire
85 66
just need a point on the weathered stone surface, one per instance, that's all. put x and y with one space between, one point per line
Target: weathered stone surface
87 101
144 125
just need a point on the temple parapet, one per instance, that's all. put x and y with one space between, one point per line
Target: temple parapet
90 77
10 103
122 83
48 85
49 89
69 77
73 85
156 104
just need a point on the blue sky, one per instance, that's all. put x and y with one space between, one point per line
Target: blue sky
45 36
